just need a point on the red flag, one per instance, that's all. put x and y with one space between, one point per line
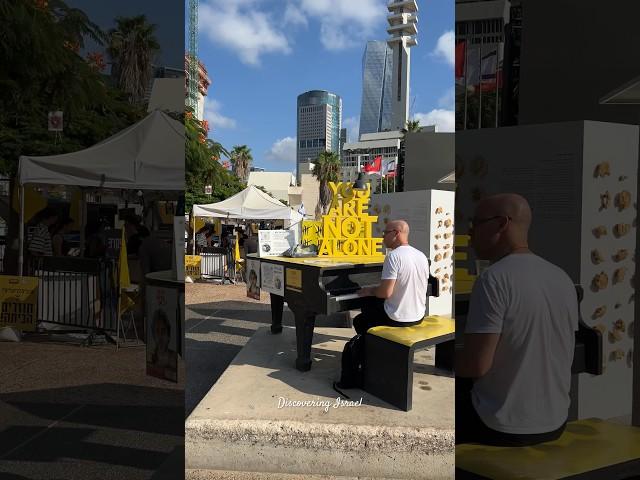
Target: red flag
460 48
375 166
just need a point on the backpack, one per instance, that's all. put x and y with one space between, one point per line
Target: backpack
352 375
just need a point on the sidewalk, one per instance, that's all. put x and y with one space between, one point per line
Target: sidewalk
70 412
236 425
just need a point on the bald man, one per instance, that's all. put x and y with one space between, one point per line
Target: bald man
400 299
519 335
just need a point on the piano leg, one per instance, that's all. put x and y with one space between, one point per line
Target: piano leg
305 321
277 306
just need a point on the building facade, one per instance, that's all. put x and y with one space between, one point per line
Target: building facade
377 79
488 34
318 127
203 85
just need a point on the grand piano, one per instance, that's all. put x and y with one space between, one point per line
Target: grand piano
321 285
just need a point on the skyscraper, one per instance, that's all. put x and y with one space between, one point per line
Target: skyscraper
377 79
319 124
402 20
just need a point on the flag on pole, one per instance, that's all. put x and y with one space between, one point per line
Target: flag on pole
490 71
374 167
460 50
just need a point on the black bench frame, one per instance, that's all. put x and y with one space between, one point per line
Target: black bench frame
388 367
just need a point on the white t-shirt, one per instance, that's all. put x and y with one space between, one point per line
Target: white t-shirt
533 305
409 267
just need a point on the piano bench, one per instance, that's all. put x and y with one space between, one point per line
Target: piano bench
389 353
590 448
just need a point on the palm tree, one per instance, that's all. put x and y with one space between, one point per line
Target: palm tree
326 169
412 126
241 159
132 47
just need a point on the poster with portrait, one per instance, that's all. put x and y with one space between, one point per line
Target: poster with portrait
272 278
162 332
253 279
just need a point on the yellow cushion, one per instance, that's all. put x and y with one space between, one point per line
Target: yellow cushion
431 327
584 446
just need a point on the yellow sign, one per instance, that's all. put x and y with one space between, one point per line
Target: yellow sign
294 279
311 232
347 230
18 302
192 266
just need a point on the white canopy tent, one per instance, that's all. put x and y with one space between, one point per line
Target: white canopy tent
249 204
148 155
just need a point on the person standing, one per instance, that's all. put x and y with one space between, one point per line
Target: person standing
40 244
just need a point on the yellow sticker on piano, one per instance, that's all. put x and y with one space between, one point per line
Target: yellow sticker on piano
293 279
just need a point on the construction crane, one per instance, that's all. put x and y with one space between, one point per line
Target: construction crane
192 62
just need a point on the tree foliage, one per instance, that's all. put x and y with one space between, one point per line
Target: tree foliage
132 47
43 71
241 159
326 169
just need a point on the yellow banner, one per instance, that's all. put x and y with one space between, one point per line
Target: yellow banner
18 302
192 266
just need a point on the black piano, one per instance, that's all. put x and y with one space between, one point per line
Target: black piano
322 285
319 285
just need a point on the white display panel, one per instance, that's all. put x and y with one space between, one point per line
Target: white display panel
554 167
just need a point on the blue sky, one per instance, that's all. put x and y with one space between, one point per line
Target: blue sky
261 54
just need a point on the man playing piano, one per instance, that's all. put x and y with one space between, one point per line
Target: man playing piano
400 299
513 373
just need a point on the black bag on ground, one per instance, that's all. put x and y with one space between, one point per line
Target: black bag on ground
352 375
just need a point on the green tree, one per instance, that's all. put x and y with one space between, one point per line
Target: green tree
326 169
42 70
412 126
241 159
132 48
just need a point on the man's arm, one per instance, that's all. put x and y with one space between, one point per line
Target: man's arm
384 290
475 357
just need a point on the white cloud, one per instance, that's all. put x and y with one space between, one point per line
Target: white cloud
283 150
241 27
294 16
214 117
446 48
448 100
345 23
444 119
352 124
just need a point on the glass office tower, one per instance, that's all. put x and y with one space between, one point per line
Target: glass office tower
377 73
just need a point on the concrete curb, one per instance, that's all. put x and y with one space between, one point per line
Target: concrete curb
229 475
355 438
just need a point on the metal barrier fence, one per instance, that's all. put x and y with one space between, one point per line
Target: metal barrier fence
217 263
77 292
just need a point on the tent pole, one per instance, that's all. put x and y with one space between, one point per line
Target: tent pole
21 232
193 233
83 220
